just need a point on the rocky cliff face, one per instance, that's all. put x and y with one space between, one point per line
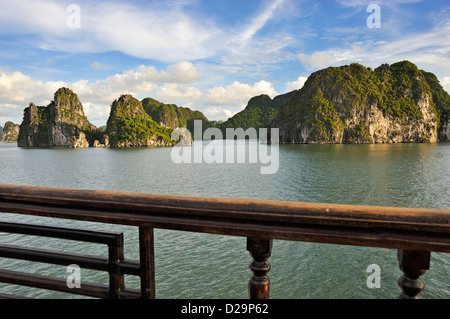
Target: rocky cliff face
442 101
10 132
130 126
353 104
444 132
61 123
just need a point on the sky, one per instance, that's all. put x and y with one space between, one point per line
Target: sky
209 55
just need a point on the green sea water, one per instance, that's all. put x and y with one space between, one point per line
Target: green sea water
192 265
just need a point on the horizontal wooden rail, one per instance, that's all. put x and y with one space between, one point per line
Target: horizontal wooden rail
415 232
115 265
388 227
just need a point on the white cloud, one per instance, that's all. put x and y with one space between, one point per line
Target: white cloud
317 60
218 113
446 84
27 16
238 94
157 30
143 80
255 49
174 92
97 66
152 31
16 87
17 90
131 81
96 113
182 72
222 102
297 84
429 50
260 20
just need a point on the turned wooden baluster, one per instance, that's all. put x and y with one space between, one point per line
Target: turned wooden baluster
413 263
259 284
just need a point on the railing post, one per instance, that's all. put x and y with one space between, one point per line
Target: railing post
147 262
413 263
116 278
259 284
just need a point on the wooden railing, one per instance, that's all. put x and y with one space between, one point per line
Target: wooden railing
415 233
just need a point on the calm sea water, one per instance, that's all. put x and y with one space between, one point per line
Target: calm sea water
191 265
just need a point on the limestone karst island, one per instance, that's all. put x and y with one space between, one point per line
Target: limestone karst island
395 103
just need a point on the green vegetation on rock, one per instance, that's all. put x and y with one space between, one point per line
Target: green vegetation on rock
440 97
401 87
327 121
259 113
173 116
341 105
55 124
130 125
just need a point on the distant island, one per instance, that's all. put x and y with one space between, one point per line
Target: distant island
395 103
9 133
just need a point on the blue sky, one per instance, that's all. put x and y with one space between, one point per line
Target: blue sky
210 55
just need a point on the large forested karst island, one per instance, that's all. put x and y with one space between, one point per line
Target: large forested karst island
395 103
61 123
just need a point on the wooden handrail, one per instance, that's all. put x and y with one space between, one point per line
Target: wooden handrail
387 227
415 232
